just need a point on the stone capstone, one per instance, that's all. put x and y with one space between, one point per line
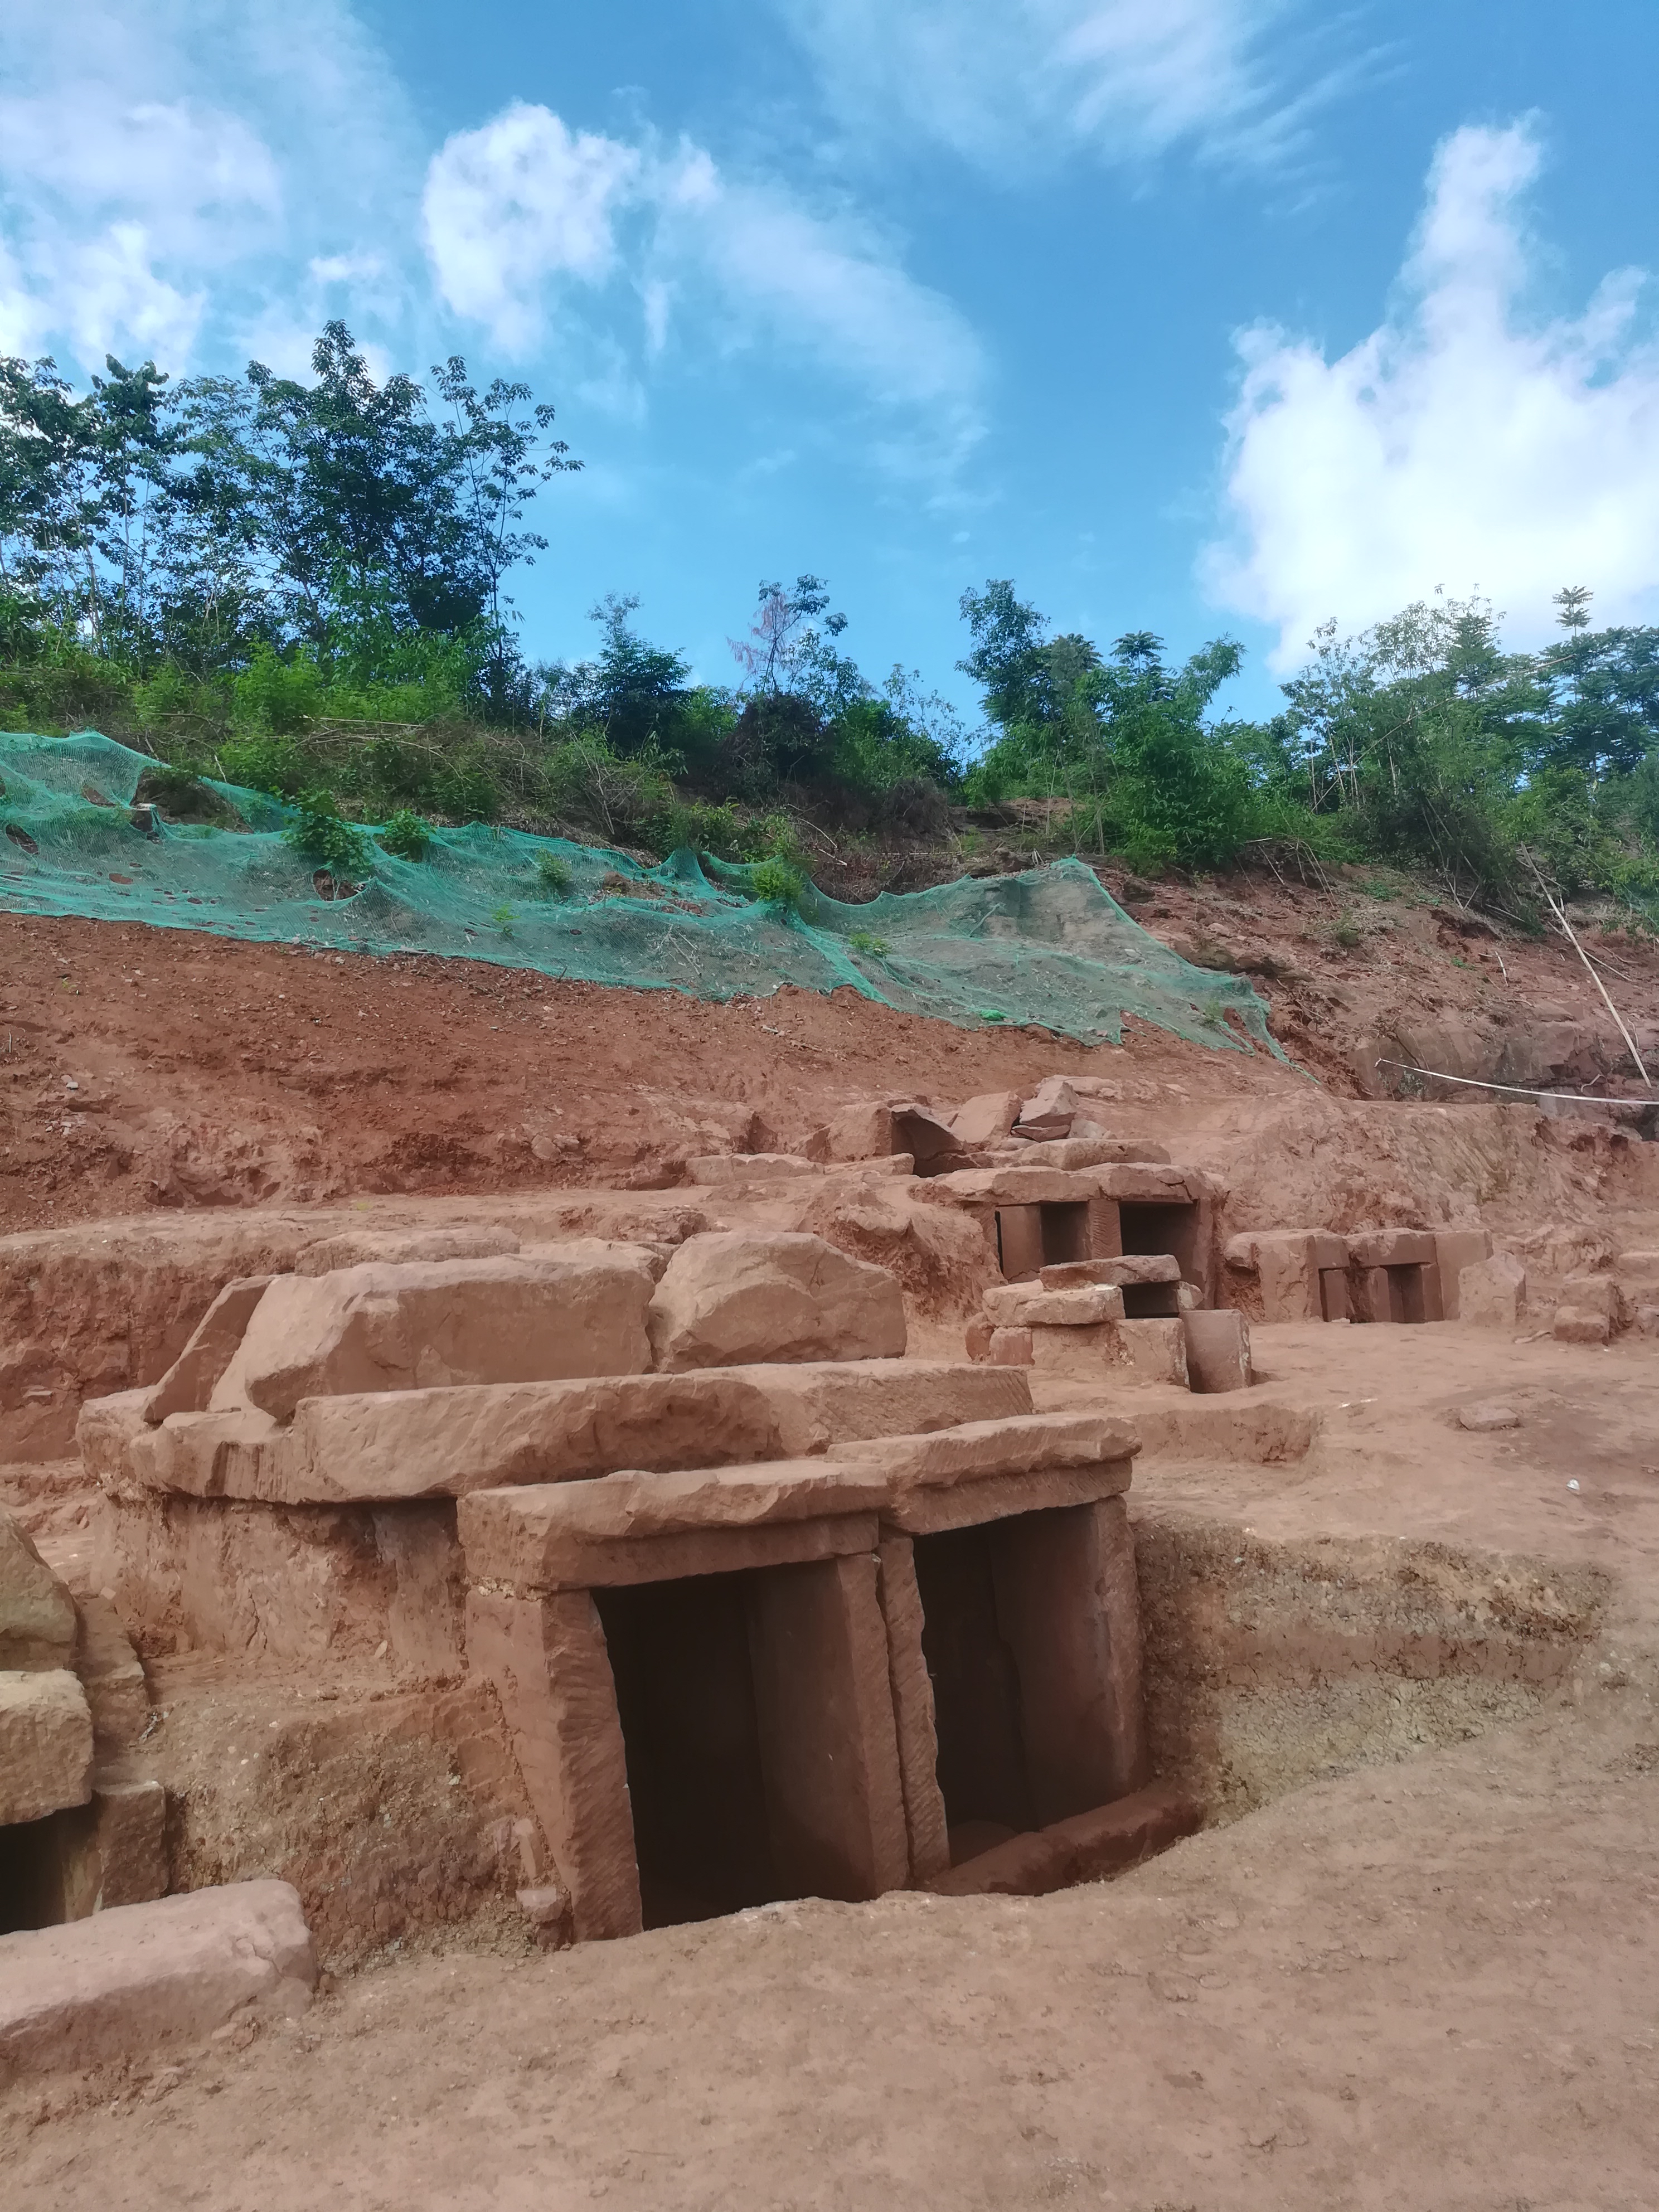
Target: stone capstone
735 1296
46 1745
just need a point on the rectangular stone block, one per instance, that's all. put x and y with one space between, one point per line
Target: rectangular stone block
1010 1347
1088 1354
547 1659
1492 1294
1104 1229
1217 1350
829 1746
1391 1247
573 1534
190 1382
112 1678
113 1852
999 1497
1454 1250
1020 1241
1013 1305
118 1985
45 1744
978 1449
912 1691
1126 1268
1157 1350
824 1402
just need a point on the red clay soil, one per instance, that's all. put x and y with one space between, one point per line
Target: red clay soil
146 1068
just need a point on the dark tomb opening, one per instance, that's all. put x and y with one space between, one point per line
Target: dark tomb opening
1147 1229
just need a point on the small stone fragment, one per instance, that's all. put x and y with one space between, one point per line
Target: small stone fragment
1487 1416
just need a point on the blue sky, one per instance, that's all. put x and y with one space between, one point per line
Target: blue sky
1193 315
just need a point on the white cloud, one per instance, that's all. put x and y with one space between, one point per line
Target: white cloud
1460 444
168 165
1016 83
515 202
517 212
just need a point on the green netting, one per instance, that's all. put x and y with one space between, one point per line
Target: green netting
1049 946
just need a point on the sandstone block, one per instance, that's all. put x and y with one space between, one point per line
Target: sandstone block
970 1504
1217 1350
984 1120
980 1330
37 1614
188 1385
1454 1250
746 1167
113 1851
46 1745
1087 1148
1121 1835
1492 1294
119 1984
575 1535
912 1691
1487 1416
1017 1306
819 1403
978 1449
1588 1309
388 1328
1391 1247
1286 1266
933 1144
1013 1347
1028 1865
103 1430
1085 1353
734 1297
861 1132
1145 1184
112 1678
401 1247
1158 1350
1129 1267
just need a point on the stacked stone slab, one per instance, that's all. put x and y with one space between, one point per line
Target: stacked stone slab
1123 1320
402 1462
1377 1275
1087 1204
77 1831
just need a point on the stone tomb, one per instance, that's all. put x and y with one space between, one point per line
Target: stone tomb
757 1632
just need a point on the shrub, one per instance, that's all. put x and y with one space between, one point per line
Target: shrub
406 836
503 917
776 884
553 878
319 835
864 940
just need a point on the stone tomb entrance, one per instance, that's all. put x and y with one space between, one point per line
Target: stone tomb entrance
733 1692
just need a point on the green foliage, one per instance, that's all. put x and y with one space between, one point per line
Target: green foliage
864 940
776 884
553 878
406 836
320 836
503 918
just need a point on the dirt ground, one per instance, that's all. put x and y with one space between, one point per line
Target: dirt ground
152 1068
1427 1982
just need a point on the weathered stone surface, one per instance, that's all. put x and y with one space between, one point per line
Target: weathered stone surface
746 1167
1012 1347
568 1535
110 1673
1016 1186
969 1504
121 1982
104 1430
356 1248
45 1744
37 1614
1217 1350
819 1403
1391 1247
823 1711
734 1297
978 1449
548 1660
1588 1309
1487 1416
447 1442
912 1691
113 1852
1454 1250
1127 1268
984 1120
933 1144
1087 1354
861 1132
385 1327
978 1338
1084 1150
1012 1305
1157 1350
371 1587
1492 1294
1286 1265
1087 1847
188 1385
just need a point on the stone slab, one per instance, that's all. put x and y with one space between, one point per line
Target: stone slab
1454 1250
112 1677
118 1984
969 1504
1391 1247
355 1247
45 1744
1492 1294
37 1614
1074 1152
1129 1267
113 1851
978 1449
191 1382
734 1297
1085 1305
1088 1847
576 1534
912 1691
1086 1353
748 1167
1010 1347
1217 1350
1157 1350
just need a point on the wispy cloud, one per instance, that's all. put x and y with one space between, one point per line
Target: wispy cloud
1460 444
167 166
521 211
1014 84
